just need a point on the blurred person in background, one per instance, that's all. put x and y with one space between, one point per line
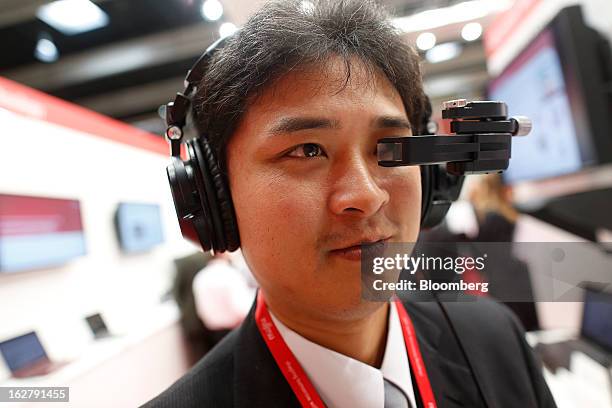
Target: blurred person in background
224 291
214 294
492 202
510 280
497 217
198 339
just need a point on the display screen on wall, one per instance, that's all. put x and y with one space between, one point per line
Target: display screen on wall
39 232
557 81
138 226
534 86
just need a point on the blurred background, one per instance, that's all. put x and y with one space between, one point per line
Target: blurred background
97 288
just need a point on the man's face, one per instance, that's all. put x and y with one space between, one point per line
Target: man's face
305 183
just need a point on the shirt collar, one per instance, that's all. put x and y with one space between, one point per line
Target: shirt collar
343 381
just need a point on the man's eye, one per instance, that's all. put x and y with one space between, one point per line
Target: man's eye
306 150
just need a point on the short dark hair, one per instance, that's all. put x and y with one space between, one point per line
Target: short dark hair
285 35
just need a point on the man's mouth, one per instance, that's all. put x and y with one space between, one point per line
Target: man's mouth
353 253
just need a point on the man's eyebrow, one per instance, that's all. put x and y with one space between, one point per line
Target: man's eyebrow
397 122
297 123
292 124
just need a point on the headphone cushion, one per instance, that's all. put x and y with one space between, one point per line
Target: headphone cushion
223 196
207 195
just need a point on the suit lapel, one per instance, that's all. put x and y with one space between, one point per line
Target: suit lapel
258 382
449 375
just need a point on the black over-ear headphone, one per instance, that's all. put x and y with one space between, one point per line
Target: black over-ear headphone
201 191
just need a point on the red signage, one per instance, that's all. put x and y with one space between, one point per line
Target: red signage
32 103
505 23
23 215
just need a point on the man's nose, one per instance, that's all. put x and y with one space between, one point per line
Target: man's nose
355 189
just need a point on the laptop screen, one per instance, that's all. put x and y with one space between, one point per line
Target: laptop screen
596 321
22 351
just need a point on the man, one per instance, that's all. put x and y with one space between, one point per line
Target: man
294 105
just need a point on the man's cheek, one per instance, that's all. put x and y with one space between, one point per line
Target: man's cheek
406 181
405 197
302 206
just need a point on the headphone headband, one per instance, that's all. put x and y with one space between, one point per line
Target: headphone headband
178 109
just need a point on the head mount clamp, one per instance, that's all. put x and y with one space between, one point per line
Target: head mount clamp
481 142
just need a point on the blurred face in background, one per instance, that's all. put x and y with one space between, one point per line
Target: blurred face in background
305 182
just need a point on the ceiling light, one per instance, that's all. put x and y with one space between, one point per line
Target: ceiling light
72 16
471 31
443 52
426 41
458 13
227 29
212 10
45 50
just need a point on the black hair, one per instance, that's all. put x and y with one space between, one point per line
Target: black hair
288 34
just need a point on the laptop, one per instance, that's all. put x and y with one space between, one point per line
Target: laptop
595 333
26 357
98 326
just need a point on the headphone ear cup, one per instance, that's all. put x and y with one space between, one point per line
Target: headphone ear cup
440 190
187 204
223 198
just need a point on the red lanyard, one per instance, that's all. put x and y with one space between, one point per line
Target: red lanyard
296 377
414 355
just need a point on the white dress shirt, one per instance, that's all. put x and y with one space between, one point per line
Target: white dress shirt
342 381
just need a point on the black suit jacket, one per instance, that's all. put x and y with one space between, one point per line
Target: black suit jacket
241 372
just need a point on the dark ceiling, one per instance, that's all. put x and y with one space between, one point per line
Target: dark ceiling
127 19
144 51
133 65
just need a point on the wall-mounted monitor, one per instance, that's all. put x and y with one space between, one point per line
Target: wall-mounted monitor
139 226
558 81
39 232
